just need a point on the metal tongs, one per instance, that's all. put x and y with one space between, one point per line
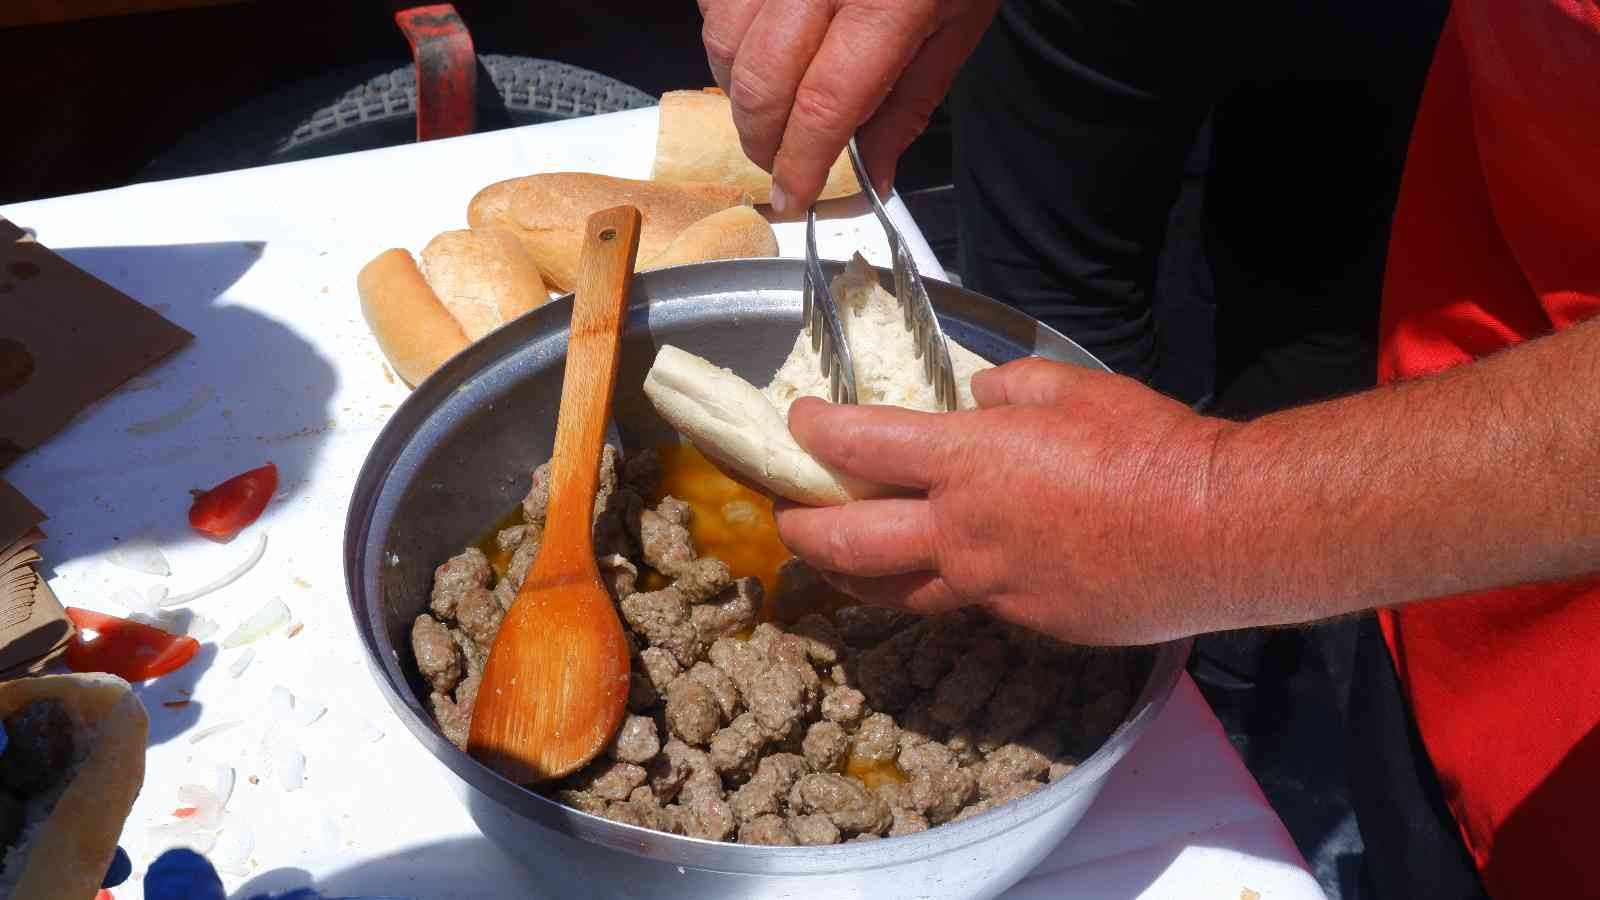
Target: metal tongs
822 314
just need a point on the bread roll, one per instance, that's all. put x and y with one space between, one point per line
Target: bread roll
484 277
746 431
64 854
696 141
414 330
547 213
738 232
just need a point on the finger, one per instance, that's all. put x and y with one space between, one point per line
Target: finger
866 49
905 113
723 30
772 59
881 444
924 593
865 538
1027 382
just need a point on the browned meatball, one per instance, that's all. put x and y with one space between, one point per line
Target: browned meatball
770 830
845 801
735 750
438 658
826 746
457 575
813 830
636 740
692 712
479 614
962 692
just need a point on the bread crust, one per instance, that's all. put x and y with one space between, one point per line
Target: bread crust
484 277
69 853
414 330
738 232
547 212
696 141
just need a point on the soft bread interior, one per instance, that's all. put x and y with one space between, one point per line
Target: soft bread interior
745 430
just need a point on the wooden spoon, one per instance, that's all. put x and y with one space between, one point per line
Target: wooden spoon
555 687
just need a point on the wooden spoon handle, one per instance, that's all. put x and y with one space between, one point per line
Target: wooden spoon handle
599 305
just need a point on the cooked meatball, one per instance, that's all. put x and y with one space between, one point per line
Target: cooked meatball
479 614
721 687
770 830
962 692
608 779
537 502
813 830
636 740
701 579
940 793
845 801
1019 703
729 612
459 574
826 746
438 658
692 711
844 705
736 749
521 561
662 617
1010 764
877 740
779 699
706 813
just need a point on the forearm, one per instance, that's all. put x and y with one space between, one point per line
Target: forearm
1484 476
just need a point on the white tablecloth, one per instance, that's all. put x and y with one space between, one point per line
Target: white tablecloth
260 265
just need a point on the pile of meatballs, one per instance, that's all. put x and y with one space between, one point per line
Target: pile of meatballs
862 724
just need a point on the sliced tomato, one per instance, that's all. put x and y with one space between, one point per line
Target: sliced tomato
133 651
226 509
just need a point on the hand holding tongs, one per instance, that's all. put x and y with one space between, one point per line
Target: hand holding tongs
822 314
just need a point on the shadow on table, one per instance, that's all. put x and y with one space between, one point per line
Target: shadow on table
453 868
246 391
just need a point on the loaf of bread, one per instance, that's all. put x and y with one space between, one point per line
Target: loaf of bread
696 141
470 283
92 728
547 214
745 431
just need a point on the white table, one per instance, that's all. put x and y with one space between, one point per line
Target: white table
260 265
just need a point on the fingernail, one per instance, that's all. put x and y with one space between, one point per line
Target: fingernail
780 200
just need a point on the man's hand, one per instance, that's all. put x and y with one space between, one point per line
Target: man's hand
804 75
1073 501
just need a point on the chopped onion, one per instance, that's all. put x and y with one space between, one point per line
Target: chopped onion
202 628
237 667
181 833
269 617
140 555
226 578
235 842
154 595
207 809
291 766
307 711
223 785
280 703
210 730
132 599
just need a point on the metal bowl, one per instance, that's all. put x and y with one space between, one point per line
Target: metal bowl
456 456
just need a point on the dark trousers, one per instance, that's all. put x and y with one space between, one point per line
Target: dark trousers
1075 124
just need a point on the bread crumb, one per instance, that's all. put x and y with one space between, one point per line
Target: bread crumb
1247 894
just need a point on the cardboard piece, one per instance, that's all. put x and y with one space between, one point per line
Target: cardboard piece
34 628
67 339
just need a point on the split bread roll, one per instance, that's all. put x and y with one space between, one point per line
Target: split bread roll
738 232
548 212
470 283
696 141
72 826
745 430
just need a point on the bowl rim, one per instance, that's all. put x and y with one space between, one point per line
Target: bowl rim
649 290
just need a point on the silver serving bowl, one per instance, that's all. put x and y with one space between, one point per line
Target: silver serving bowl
456 456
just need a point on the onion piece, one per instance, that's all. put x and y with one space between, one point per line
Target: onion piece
140 555
154 594
181 833
222 786
207 810
210 730
291 768
237 667
280 703
202 628
226 578
235 842
307 712
134 600
273 615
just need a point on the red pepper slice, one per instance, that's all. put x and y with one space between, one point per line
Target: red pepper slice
104 895
226 509
133 651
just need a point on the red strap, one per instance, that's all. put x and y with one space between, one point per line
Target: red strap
447 70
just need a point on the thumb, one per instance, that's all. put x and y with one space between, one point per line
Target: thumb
1027 382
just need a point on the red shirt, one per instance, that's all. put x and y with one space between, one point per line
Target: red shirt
1496 240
